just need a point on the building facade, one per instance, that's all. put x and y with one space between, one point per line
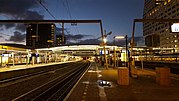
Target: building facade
60 40
40 35
158 34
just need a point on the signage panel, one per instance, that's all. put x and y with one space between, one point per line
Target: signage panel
175 28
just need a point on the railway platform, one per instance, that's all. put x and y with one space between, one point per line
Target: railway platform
18 67
98 84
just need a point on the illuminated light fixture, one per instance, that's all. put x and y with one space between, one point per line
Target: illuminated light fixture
175 28
119 37
165 3
104 40
34 36
49 41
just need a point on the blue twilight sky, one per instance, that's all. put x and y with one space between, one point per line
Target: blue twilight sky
117 16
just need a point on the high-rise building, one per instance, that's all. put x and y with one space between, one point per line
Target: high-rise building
40 35
59 40
158 34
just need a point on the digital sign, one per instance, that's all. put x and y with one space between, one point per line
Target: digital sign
175 28
102 52
6 55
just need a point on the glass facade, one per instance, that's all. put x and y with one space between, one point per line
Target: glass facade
40 35
158 34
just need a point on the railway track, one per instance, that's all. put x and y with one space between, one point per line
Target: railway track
59 91
18 74
53 84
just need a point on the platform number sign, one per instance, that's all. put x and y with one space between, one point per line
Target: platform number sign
175 28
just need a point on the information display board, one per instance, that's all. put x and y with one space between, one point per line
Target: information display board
175 28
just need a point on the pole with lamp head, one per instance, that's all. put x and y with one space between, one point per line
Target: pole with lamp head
104 40
126 52
124 37
114 52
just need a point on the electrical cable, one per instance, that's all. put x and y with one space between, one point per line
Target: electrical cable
48 11
68 11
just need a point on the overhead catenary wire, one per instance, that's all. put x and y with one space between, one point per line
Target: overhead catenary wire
48 11
66 5
68 9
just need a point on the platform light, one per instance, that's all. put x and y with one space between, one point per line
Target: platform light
104 40
119 37
125 56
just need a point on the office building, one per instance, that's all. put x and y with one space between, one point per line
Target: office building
59 40
40 36
158 34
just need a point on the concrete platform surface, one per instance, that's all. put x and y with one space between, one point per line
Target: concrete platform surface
143 88
99 84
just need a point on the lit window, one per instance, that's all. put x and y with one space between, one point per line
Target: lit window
176 40
165 3
175 45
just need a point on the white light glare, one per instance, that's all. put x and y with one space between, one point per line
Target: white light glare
104 40
119 37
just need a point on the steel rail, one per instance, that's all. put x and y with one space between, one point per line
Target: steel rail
27 75
68 86
47 94
51 82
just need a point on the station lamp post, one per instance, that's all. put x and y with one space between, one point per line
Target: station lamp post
104 40
114 51
123 37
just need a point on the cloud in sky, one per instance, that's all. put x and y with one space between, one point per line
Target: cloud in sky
7 26
20 27
75 37
90 41
17 37
1 35
19 10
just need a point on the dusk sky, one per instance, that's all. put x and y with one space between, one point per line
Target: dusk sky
117 16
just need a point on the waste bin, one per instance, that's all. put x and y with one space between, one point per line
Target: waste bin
163 76
123 76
